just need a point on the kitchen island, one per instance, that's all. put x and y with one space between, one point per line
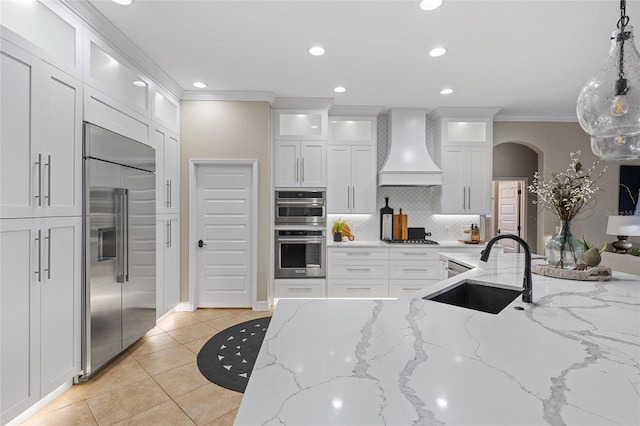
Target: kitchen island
571 357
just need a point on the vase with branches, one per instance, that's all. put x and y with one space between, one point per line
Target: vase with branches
567 194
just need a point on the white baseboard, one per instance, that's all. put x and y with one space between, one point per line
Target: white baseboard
184 307
261 306
41 404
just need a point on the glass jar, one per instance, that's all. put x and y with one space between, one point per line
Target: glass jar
564 250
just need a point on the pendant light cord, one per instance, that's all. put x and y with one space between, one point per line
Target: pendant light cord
621 84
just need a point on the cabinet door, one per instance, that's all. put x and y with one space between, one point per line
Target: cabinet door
61 145
454 191
480 175
161 242
338 179
171 172
19 316
158 139
60 301
287 164
313 164
363 179
296 125
20 186
172 264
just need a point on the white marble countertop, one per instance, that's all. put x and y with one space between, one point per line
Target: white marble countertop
570 358
381 243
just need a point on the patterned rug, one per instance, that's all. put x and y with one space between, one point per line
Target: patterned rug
227 359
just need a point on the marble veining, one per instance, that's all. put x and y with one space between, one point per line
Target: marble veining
570 358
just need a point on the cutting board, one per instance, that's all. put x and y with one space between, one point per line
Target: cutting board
400 228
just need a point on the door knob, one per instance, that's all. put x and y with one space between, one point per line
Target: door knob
201 243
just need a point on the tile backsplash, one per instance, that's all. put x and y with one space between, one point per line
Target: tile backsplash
420 204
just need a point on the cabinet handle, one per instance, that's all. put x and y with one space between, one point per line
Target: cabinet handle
358 269
166 227
355 253
299 290
415 254
170 192
302 169
39 164
348 197
411 288
469 202
297 170
48 238
367 289
464 198
414 270
353 197
39 240
48 166
167 193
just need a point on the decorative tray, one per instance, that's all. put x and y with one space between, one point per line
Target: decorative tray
598 273
471 242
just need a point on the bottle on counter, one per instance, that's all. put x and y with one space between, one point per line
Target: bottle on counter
475 233
386 221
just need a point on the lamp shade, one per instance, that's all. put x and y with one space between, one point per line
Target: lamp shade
623 225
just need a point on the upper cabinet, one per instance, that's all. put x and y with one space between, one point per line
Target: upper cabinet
466 148
167 148
353 130
300 164
41 133
297 125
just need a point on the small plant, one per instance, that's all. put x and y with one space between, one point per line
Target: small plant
634 251
588 245
467 230
338 225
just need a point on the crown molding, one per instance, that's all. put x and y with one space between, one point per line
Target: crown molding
125 47
539 118
228 95
303 103
465 112
356 111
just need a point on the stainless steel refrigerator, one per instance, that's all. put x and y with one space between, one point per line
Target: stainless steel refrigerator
119 276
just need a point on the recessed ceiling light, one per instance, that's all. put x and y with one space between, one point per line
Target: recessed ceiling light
317 51
437 51
446 91
430 4
339 89
200 85
123 2
139 83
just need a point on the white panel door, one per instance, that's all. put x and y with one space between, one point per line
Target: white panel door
453 180
171 264
313 164
480 173
508 214
171 172
19 316
363 179
19 119
223 263
62 145
338 179
60 301
158 137
161 242
287 164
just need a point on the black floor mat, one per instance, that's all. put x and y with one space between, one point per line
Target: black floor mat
227 359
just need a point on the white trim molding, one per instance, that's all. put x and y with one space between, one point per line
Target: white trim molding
303 103
193 164
228 95
538 118
357 111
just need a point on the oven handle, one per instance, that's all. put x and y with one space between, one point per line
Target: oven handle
301 239
307 203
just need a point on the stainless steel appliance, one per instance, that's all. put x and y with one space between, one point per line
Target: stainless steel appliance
455 268
119 274
300 207
300 253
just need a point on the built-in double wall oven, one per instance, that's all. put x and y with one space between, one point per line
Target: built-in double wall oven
300 243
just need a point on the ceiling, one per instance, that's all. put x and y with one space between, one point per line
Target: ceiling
530 58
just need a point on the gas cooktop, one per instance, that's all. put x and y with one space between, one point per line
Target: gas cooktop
419 241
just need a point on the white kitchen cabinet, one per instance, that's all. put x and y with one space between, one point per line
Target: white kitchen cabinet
357 272
167 264
353 130
351 179
40 315
300 124
300 164
167 148
412 269
41 138
466 179
307 288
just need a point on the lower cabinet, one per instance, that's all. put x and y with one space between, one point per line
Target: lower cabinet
40 309
412 269
304 288
358 272
167 263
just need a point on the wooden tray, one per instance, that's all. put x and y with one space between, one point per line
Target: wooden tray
599 273
472 242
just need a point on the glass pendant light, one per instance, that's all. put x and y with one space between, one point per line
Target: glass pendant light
608 106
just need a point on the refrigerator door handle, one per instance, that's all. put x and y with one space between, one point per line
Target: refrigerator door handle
126 233
120 226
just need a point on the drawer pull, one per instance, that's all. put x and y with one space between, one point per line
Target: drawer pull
415 270
411 288
415 254
368 290
358 254
358 269
299 290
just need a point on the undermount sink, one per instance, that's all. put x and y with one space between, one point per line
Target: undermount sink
476 295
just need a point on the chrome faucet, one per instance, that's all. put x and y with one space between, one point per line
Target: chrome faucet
527 290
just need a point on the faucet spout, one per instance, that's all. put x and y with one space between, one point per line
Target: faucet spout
527 287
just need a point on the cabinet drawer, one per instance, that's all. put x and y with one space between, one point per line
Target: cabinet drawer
358 288
364 269
340 254
428 269
300 289
399 288
411 253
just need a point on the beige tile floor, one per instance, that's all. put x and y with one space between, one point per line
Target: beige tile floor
156 381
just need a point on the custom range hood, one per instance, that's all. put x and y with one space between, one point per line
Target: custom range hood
408 163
